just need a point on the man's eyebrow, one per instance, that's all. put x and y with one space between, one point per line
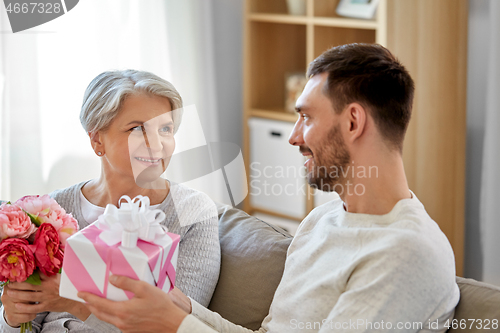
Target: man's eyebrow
301 108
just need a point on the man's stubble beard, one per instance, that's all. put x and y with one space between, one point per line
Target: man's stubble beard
330 161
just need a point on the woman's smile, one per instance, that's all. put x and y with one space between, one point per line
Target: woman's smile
149 161
153 160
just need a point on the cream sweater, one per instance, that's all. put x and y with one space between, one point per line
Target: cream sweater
348 272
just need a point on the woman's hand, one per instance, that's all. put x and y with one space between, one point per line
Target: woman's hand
45 297
150 310
51 301
16 294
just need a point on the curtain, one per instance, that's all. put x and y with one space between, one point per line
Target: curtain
190 35
46 69
21 146
490 182
4 171
4 145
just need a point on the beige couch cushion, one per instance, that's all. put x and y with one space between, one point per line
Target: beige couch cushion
477 301
253 258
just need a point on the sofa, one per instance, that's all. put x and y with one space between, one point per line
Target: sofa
253 258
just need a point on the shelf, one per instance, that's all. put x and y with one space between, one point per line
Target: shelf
327 37
279 18
277 50
344 23
328 8
268 6
274 115
320 21
324 14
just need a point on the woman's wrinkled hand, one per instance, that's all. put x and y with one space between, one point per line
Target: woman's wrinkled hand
16 298
32 299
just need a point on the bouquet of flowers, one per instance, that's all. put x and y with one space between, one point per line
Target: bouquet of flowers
33 233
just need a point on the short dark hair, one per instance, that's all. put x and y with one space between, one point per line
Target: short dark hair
370 75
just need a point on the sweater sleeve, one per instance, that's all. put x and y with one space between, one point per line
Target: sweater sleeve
36 323
49 322
202 320
6 328
100 326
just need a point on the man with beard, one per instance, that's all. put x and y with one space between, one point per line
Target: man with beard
372 260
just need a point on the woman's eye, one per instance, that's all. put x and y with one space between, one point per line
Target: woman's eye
166 129
304 116
137 128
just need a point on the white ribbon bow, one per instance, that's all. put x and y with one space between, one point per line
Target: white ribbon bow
132 221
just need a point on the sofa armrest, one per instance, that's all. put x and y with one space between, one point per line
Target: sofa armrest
478 301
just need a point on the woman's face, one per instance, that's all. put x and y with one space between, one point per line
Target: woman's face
140 141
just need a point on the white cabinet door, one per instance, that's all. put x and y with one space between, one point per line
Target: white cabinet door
277 173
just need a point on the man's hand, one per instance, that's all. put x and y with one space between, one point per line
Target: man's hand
150 310
180 300
45 297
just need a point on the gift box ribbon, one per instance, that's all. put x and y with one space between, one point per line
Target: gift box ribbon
133 220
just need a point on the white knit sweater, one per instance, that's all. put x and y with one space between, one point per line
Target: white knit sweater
348 272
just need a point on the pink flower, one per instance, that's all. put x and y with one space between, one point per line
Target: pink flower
48 255
66 225
14 222
17 262
47 210
43 208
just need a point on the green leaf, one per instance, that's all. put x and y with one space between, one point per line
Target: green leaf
33 218
60 270
34 279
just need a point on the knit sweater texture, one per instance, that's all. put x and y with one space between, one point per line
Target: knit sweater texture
190 214
348 272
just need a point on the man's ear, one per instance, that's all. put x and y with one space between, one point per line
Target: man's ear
355 117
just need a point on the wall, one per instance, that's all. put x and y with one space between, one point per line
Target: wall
228 39
477 70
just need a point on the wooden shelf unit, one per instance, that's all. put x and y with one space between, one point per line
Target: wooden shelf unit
430 39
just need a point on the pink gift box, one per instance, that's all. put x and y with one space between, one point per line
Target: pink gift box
89 262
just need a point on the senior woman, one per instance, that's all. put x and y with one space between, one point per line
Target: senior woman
131 118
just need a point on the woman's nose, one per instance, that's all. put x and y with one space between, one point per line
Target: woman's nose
153 141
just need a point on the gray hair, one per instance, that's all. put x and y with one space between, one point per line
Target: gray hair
107 91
